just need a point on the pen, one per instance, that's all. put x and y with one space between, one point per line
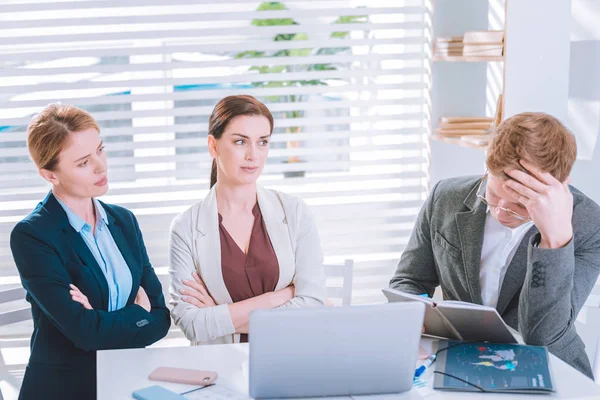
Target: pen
419 371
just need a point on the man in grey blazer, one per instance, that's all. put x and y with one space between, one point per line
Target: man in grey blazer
519 239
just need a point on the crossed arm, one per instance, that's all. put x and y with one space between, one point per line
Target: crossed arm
49 285
196 294
197 313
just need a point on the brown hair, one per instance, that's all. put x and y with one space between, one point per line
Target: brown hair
227 109
536 137
49 131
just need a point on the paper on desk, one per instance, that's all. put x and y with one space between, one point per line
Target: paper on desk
215 392
419 383
426 347
422 384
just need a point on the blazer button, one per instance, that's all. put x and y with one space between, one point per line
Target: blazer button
535 284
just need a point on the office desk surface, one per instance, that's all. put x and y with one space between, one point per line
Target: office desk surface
120 372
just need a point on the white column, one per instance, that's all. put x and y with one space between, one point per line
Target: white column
537 51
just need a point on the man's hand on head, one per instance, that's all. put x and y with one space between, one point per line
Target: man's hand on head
548 201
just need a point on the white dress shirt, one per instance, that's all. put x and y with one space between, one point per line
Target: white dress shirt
499 246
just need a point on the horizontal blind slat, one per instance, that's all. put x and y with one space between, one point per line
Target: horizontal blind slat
180 66
207 110
21 54
195 16
116 4
201 145
409 135
159 82
117 97
31 177
283 123
138 189
205 32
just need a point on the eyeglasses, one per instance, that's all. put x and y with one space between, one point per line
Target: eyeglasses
481 196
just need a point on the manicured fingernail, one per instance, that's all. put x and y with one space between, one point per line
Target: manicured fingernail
182 291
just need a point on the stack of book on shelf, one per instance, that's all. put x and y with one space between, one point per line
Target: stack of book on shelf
464 126
448 46
470 131
472 44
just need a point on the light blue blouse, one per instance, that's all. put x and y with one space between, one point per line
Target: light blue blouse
107 254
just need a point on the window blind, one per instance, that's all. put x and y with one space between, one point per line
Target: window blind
346 81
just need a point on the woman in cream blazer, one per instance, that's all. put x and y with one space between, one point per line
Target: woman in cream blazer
202 305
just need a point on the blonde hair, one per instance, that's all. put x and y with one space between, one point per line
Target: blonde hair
49 131
536 137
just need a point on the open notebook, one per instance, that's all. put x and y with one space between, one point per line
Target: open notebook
458 320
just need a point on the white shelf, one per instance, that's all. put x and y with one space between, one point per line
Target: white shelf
468 58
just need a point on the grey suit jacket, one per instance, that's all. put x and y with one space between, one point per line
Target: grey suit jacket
543 289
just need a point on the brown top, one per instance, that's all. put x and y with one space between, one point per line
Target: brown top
253 273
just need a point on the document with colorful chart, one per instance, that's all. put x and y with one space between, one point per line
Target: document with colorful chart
492 367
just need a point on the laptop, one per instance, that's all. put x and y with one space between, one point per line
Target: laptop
334 351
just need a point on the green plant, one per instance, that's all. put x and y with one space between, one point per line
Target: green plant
296 67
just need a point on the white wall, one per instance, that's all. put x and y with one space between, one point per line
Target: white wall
556 69
458 89
584 94
571 92
537 57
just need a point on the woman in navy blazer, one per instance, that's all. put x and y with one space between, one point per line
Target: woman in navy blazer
82 262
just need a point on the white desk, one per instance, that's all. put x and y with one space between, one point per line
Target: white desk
120 372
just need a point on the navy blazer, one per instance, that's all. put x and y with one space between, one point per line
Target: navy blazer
50 255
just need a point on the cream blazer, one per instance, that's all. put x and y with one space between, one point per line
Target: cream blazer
195 245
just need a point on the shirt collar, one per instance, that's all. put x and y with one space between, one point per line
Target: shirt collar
523 227
100 210
79 223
